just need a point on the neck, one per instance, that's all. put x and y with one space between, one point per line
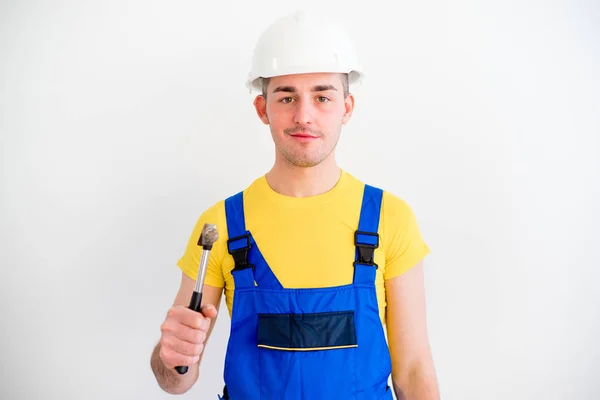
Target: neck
290 180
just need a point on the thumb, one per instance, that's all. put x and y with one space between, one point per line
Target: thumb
209 311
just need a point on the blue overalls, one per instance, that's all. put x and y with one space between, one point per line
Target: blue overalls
307 343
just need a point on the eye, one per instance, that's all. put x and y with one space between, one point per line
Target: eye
286 100
322 99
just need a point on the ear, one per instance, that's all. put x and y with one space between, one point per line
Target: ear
348 108
260 104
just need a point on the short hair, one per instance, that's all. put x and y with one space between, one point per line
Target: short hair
345 85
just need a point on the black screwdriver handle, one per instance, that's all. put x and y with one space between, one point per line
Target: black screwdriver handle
195 304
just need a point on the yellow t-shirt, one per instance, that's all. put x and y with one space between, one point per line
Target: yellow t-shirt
305 240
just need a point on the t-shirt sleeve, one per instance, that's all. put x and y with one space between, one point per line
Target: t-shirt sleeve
404 244
190 260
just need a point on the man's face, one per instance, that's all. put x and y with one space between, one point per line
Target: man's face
305 113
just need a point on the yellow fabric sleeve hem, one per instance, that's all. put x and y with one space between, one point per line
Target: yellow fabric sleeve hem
405 247
407 264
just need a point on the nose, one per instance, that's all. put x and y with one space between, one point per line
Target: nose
303 114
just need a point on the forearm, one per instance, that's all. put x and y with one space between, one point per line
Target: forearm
416 383
170 380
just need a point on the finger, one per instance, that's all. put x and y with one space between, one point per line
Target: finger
173 327
192 335
206 325
183 347
172 359
209 311
188 317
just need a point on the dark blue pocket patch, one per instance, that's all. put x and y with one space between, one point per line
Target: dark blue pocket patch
305 332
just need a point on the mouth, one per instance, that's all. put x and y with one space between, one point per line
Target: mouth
303 137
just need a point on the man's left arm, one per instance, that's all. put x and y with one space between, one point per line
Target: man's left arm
413 372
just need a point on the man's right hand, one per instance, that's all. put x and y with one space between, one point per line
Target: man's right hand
183 334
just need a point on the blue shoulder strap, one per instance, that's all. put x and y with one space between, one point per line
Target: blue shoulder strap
366 238
250 265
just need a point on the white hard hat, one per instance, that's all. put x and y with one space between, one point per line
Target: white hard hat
303 43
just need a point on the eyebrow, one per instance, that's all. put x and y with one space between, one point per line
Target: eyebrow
291 89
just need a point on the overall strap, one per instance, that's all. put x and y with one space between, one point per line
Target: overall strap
366 237
250 265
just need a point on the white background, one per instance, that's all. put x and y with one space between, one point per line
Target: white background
121 121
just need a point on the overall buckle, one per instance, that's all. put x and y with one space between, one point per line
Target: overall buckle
238 247
366 246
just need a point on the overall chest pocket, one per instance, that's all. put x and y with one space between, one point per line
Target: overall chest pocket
307 331
307 356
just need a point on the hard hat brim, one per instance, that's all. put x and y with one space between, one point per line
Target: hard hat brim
254 82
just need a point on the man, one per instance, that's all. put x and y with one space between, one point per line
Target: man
314 264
